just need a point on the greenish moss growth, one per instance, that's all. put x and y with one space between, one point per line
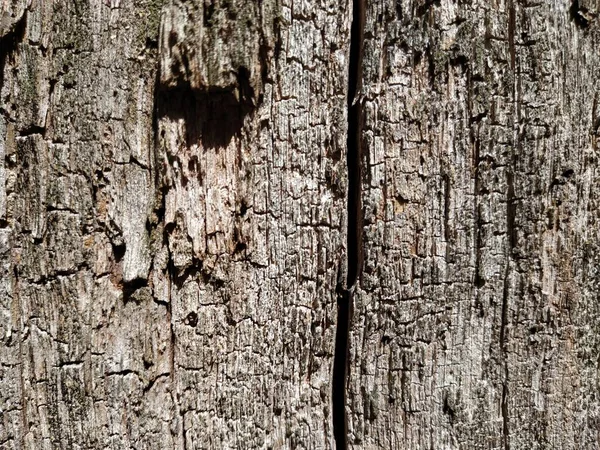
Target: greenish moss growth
149 13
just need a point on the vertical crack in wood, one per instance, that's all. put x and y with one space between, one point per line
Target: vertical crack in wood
354 228
340 364
354 153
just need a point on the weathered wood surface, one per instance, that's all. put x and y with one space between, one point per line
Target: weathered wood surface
173 213
476 318
173 223
251 126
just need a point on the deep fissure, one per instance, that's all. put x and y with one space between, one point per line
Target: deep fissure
354 229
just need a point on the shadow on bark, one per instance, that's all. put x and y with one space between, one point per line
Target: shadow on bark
213 116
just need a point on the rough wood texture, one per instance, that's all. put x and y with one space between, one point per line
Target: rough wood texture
250 147
187 189
172 213
476 317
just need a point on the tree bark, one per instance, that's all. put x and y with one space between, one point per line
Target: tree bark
235 224
476 315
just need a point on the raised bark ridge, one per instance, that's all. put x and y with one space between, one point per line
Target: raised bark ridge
253 215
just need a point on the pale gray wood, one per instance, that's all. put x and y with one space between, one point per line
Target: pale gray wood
476 318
